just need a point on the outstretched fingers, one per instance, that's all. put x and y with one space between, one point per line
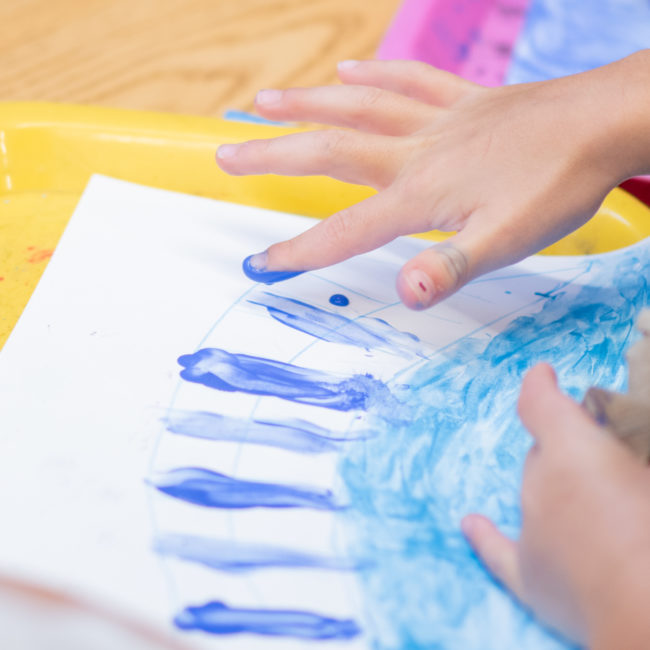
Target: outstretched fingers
410 78
348 156
359 107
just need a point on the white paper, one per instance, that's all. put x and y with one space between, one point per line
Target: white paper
141 277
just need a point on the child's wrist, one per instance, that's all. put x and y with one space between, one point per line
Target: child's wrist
630 101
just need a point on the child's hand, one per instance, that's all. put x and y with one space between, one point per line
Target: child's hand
582 563
511 169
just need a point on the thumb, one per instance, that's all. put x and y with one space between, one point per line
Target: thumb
441 270
496 551
435 273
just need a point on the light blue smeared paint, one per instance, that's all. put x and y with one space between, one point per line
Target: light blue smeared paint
561 38
292 434
230 556
461 451
214 490
259 376
218 618
368 333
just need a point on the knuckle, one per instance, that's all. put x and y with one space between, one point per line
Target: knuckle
418 68
455 264
339 228
330 142
370 97
413 184
254 149
294 98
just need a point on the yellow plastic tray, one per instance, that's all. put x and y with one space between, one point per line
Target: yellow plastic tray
49 151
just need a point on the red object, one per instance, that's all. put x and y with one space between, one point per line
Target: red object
639 187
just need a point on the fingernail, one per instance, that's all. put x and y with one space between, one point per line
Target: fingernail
268 97
257 262
254 267
227 151
346 65
421 286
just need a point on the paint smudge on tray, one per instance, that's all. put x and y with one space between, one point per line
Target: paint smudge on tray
204 487
217 618
291 434
236 557
222 370
39 255
368 333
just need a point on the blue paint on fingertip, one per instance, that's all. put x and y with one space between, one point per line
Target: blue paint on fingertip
267 277
218 618
339 300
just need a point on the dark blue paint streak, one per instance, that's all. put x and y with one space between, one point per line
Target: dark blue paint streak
237 557
369 333
214 490
267 277
219 369
217 618
291 434
339 300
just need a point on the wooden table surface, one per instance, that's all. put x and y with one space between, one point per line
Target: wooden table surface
186 56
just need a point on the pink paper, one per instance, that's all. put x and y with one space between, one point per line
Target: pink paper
472 38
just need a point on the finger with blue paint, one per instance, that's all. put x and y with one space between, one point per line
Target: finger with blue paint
582 561
508 170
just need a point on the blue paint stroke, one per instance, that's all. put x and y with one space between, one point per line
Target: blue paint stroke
237 557
219 369
217 618
204 487
339 300
368 333
244 116
267 277
461 450
291 434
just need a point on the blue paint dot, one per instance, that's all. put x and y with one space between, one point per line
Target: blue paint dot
339 300
508 292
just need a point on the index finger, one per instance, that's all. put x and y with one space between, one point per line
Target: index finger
352 231
548 413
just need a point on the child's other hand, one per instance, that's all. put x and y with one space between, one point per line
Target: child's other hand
511 169
582 563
